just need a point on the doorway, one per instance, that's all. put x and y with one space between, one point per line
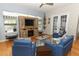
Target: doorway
77 31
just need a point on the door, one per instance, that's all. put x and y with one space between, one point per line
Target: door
77 32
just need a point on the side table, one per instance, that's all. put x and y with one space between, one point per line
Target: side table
43 51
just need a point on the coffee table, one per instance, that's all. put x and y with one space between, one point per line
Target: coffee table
55 40
43 51
41 40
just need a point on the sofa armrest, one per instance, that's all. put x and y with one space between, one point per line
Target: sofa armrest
33 50
57 50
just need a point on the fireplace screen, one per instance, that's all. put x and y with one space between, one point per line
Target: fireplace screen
30 33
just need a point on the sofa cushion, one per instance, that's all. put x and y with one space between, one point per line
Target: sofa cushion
23 42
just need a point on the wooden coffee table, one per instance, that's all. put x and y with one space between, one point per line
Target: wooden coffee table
43 51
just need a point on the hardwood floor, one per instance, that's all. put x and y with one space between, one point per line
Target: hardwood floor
75 49
6 48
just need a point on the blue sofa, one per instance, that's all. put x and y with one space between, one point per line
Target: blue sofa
62 48
23 48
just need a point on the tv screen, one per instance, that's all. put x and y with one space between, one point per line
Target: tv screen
29 22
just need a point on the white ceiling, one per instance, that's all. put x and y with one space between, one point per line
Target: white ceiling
44 8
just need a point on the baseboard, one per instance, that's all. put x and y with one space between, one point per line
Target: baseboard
3 40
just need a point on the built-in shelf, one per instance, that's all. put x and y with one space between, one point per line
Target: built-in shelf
9 24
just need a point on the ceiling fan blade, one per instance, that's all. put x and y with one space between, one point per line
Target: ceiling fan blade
41 5
49 3
46 4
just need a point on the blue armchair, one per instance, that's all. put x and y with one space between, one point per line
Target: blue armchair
62 48
23 48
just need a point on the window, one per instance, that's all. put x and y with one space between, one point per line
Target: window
59 23
55 19
63 22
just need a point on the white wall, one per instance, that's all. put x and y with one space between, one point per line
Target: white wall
1 27
15 8
72 10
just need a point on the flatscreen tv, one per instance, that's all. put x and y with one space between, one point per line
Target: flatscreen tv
29 22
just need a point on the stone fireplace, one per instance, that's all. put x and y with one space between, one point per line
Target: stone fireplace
26 29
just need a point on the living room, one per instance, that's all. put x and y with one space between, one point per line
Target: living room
41 25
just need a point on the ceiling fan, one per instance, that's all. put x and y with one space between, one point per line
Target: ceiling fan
46 4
